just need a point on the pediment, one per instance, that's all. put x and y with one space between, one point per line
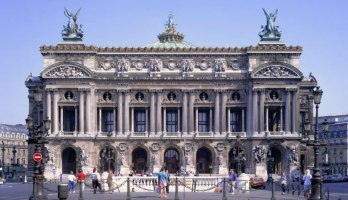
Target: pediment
67 70
276 70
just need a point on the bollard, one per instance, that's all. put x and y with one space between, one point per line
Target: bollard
128 189
224 190
63 191
80 188
298 190
273 197
293 190
176 189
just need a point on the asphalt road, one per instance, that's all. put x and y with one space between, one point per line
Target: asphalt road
18 191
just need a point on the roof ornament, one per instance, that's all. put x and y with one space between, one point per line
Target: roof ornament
170 25
270 32
73 31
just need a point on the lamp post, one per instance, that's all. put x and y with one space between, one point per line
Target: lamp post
14 155
325 129
37 137
270 171
317 178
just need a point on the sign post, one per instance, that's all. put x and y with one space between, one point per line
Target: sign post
37 157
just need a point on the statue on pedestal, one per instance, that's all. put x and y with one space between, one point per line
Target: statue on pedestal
270 32
72 32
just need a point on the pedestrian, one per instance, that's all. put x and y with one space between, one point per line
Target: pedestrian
283 182
162 182
95 176
81 177
168 181
307 183
232 179
71 182
110 181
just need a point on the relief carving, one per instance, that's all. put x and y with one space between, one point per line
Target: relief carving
155 65
107 64
220 65
187 65
66 72
123 65
275 71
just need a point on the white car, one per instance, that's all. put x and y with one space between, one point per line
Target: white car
337 178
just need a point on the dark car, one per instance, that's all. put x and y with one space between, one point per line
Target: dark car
257 182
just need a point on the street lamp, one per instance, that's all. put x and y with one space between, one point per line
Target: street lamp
3 154
14 155
317 181
270 159
37 137
325 129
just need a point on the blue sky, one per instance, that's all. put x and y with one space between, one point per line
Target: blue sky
321 27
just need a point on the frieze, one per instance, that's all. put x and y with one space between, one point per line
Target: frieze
106 64
155 65
275 71
187 65
67 72
138 64
204 65
123 65
171 64
220 65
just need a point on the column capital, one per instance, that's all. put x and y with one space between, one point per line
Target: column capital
83 89
291 89
123 90
155 90
188 90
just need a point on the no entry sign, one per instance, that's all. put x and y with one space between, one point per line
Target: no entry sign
37 157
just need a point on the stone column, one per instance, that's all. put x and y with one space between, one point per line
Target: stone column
76 121
48 107
152 113
55 111
184 113
61 118
255 113
262 111
223 113
114 126
191 110
179 119
126 113
81 112
281 119
210 120
88 112
249 117
159 113
217 113
196 120
243 120
228 120
100 119
132 119
120 113
267 128
287 112
294 111
147 119
164 119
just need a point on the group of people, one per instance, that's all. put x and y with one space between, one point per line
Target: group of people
232 178
74 180
306 180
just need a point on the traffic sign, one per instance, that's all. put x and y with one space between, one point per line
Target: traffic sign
37 157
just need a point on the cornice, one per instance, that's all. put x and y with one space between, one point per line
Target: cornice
81 48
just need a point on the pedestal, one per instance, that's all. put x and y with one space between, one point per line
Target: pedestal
124 171
293 172
243 182
261 170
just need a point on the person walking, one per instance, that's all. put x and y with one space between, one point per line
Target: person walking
81 177
307 183
71 182
110 181
283 182
162 182
95 176
232 177
168 181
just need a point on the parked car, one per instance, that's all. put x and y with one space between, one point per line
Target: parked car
345 178
327 179
337 178
257 182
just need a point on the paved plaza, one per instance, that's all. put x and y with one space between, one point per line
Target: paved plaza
18 191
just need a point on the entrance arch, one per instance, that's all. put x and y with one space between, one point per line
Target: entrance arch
172 159
277 164
204 160
68 160
139 160
107 159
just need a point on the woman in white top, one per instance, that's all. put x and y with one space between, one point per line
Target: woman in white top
307 183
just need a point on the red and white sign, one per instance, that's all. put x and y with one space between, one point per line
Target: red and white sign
37 157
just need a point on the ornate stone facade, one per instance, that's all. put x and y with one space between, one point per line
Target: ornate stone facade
174 106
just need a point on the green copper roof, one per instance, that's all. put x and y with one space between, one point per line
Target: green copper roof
170 38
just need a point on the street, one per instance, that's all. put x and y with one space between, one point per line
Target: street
19 191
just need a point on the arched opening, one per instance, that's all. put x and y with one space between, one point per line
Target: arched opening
139 160
171 160
235 157
107 159
277 167
204 161
68 160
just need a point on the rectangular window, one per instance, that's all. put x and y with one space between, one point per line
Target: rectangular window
108 120
69 118
140 121
172 121
203 121
235 121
